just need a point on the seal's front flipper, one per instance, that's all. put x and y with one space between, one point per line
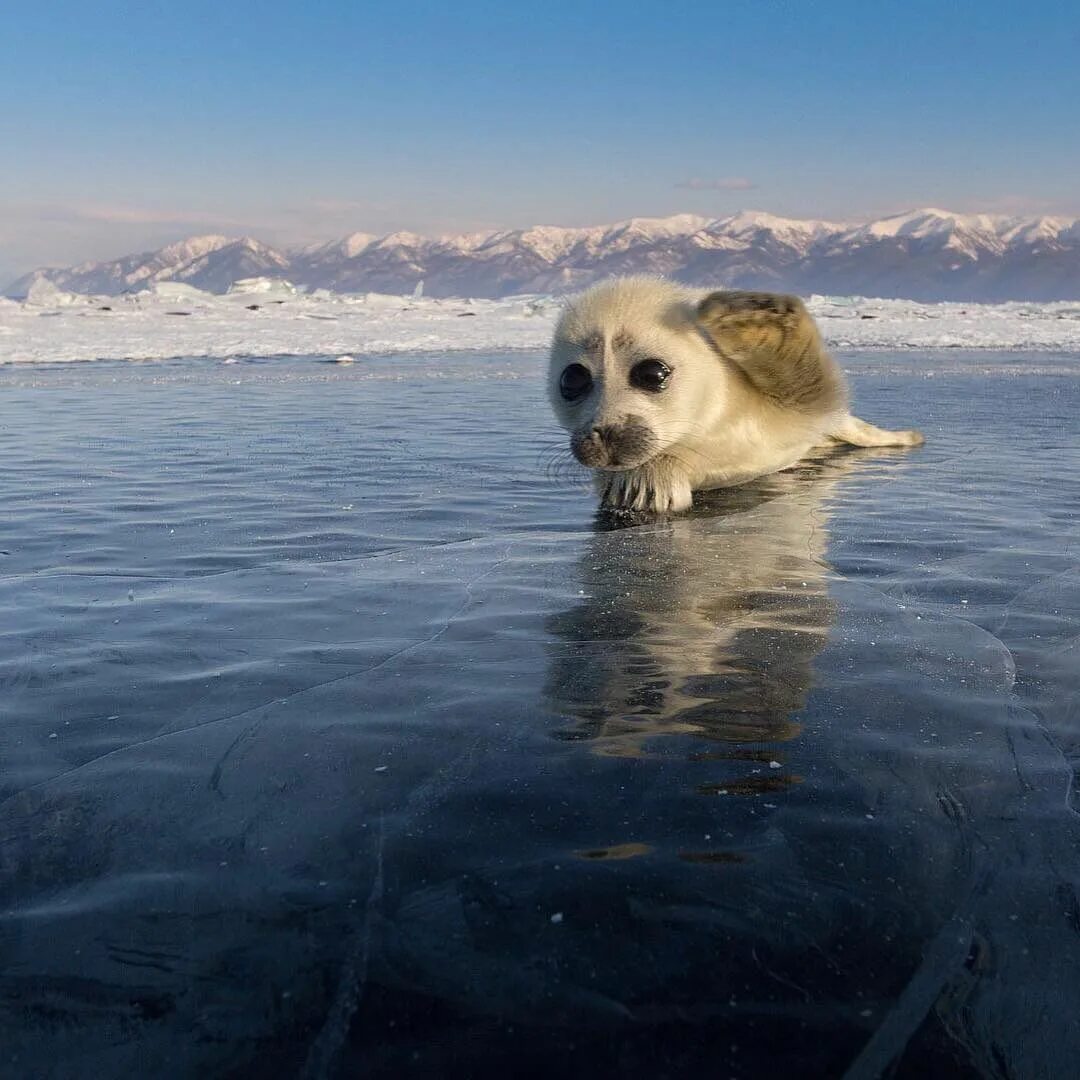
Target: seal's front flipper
773 340
657 487
859 433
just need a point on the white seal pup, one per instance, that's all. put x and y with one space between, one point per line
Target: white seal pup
666 390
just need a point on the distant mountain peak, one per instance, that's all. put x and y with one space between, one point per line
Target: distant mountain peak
673 225
193 247
402 238
761 219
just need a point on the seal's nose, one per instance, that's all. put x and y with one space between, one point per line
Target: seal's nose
591 447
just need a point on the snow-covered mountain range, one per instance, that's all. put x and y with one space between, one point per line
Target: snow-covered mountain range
925 254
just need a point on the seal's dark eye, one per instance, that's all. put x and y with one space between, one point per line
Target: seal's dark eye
651 375
575 382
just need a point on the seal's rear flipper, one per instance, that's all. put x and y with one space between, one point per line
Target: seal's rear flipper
859 433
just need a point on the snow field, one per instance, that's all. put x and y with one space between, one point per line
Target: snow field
264 317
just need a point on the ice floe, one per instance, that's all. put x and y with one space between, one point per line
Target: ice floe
270 317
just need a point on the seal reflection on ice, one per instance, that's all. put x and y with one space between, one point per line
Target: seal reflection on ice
666 390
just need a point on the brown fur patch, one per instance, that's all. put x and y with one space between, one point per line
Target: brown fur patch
774 342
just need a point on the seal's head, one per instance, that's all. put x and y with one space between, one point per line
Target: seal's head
631 372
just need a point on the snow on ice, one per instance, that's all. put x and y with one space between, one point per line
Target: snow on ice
270 317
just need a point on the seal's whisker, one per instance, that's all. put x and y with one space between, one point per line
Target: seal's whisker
561 467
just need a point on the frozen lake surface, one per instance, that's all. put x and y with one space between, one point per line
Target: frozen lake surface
341 738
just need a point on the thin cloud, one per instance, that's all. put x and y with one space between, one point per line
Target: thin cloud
105 214
723 183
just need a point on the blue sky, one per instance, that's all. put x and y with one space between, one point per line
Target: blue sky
124 126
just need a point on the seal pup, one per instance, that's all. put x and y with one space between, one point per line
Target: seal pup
666 390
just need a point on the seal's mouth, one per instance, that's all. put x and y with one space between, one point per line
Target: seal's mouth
615 447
